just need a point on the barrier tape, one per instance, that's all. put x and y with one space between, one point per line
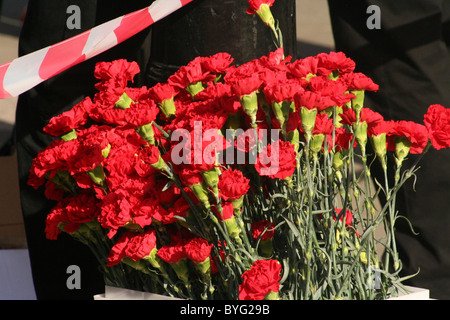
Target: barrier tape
23 73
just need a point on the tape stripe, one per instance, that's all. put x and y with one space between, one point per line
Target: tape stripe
23 73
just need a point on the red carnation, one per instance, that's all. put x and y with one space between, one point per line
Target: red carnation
227 211
416 134
437 121
301 68
247 85
343 139
379 127
263 226
255 4
162 91
275 61
198 249
262 279
331 92
233 184
54 220
313 100
81 208
115 211
68 120
359 81
146 157
282 91
140 245
348 216
372 118
281 164
334 61
141 113
190 74
115 75
172 253
117 252
323 125
217 63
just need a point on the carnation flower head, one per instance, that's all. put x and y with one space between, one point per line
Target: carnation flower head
359 81
198 249
115 75
140 245
254 5
437 121
334 62
233 184
304 68
261 226
416 136
74 118
277 160
173 252
262 279
217 63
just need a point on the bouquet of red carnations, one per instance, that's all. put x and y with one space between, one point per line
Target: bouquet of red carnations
234 182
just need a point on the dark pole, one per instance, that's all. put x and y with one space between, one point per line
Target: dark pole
206 27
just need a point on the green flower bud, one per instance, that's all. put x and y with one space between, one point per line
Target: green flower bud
201 193
265 14
281 111
204 268
294 138
211 179
97 175
272 296
105 152
194 88
316 143
71 135
361 134
379 145
338 160
156 262
249 104
124 101
167 107
363 257
402 147
358 102
308 117
237 204
160 165
146 132
232 227
63 180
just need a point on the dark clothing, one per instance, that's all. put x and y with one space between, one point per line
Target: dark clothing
409 58
45 24
201 28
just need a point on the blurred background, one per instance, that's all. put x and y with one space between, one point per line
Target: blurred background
314 35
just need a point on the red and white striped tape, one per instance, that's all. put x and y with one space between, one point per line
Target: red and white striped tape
23 73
